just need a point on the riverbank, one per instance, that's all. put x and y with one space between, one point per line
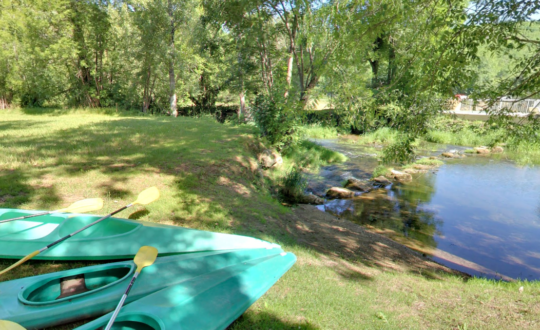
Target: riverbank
446 129
346 277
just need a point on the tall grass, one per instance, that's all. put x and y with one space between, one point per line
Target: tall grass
465 137
310 154
318 131
384 135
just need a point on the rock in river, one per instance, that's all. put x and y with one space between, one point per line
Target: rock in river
359 185
311 199
381 180
451 155
401 176
482 150
342 193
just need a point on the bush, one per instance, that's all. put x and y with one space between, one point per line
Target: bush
380 170
278 120
293 185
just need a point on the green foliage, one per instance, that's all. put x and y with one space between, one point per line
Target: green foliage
318 131
278 120
401 151
382 135
309 154
429 162
380 170
448 130
293 185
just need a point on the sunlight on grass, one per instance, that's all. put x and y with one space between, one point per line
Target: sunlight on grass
209 179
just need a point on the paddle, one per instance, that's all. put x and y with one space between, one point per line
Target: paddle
145 197
85 205
8 325
145 257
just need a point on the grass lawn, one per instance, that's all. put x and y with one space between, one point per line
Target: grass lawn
209 179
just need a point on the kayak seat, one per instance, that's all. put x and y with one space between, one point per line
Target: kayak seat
70 287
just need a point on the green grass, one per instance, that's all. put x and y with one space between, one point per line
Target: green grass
317 131
311 155
208 178
381 170
464 137
383 135
429 162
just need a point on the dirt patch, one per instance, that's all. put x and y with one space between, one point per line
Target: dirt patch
342 238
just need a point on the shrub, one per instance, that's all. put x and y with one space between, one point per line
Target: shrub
278 120
293 185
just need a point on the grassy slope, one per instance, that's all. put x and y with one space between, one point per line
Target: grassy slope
209 180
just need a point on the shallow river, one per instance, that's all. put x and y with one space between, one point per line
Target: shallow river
477 214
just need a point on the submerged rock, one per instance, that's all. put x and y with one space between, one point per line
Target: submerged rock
337 192
311 199
382 180
415 170
359 185
450 155
270 158
401 176
482 150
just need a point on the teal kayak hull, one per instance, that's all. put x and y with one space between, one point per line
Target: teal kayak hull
111 239
208 302
41 301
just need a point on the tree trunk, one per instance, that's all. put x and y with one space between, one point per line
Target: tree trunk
172 79
374 72
147 91
292 38
391 63
242 107
289 73
304 97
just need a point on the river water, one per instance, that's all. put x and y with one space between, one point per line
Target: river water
478 214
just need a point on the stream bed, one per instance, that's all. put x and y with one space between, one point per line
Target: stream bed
478 214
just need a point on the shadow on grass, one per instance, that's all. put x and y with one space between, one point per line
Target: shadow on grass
216 185
264 321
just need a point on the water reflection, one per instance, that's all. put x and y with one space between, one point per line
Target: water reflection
398 208
476 214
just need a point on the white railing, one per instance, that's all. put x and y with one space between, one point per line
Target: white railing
518 106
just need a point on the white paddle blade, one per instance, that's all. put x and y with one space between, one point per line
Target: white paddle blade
86 205
147 196
8 325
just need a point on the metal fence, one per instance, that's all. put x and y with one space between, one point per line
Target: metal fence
518 106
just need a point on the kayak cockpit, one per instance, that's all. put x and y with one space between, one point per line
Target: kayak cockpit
58 289
132 322
106 228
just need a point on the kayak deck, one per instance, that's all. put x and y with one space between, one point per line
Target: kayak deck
42 301
210 302
111 239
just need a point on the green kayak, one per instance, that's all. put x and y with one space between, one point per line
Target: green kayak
207 302
46 300
108 240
